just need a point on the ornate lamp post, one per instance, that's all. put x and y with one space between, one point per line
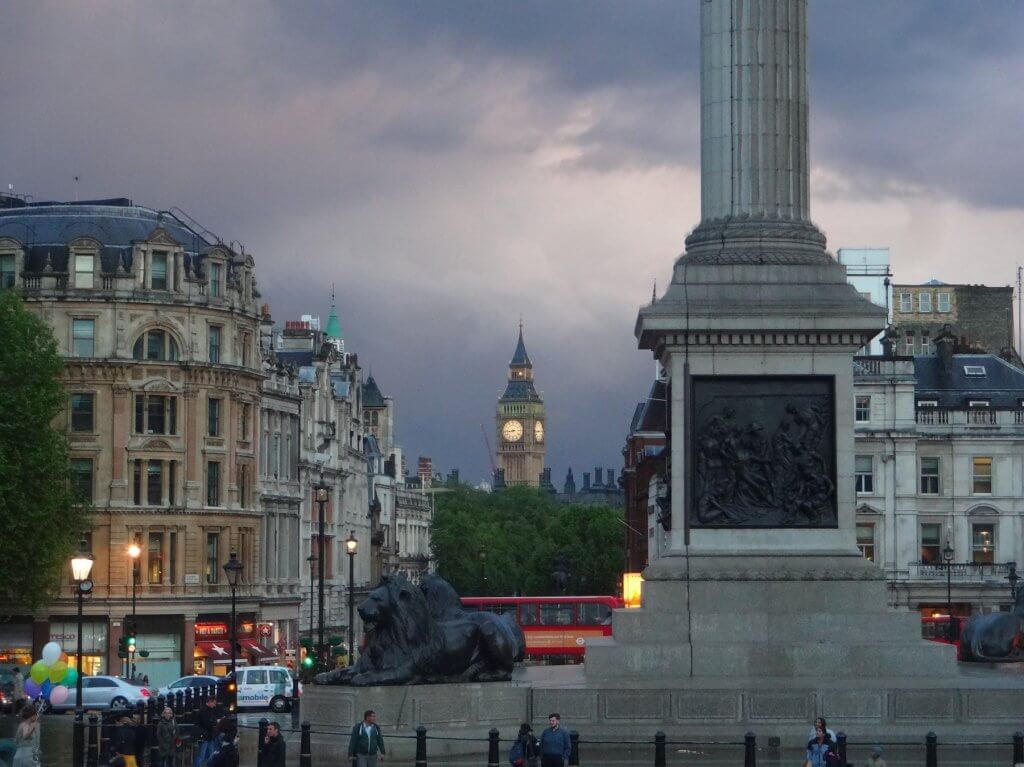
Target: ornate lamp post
947 554
134 551
322 494
233 568
1012 577
312 580
350 547
81 568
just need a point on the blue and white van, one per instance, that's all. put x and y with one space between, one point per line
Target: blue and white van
265 687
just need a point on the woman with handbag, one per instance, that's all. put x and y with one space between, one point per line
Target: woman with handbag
524 751
821 751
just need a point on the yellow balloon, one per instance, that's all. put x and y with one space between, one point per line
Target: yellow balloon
40 671
57 671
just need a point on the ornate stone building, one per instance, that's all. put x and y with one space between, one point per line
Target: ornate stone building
157 321
521 420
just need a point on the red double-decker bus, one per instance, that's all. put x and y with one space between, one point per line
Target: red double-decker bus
556 628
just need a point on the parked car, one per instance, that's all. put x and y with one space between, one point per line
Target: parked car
193 681
6 690
103 693
265 687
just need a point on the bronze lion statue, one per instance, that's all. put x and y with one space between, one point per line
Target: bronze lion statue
996 637
421 635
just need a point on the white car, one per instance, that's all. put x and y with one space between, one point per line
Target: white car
194 681
102 693
265 687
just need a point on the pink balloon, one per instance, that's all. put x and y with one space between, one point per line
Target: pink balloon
58 694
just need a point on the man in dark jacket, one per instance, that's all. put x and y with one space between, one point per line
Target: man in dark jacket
366 745
273 748
206 722
555 745
123 740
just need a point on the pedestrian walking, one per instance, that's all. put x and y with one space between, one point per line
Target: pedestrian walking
555 745
273 749
227 755
167 737
875 757
821 750
26 739
206 723
820 722
18 691
122 742
525 751
366 744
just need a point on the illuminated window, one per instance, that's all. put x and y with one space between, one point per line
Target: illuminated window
156 558
866 539
931 543
983 543
981 480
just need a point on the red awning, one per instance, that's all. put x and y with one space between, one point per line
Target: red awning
217 649
257 650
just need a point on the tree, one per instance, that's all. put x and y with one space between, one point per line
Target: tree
506 542
40 516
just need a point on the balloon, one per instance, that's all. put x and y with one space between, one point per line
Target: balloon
58 694
58 671
51 652
70 678
45 688
40 671
31 688
64 657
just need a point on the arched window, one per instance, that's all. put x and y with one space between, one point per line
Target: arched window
156 345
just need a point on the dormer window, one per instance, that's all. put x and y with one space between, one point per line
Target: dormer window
216 275
8 271
156 345
974 371
158 272
978 403
84 270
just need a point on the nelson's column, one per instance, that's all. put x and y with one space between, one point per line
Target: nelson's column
759 576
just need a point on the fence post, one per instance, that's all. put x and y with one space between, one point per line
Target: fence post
93 758
259 744
421 746
841 748
574 748
78 740
179 704
931 750
106 730
1018 747
749 750
306 747
154 755
659 749
492 748
189 717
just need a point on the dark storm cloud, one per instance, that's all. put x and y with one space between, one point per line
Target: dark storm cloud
451 164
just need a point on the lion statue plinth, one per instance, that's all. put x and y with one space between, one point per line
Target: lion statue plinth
421 635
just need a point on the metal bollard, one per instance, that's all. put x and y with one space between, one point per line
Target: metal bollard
1018 747
931 750
296 706
154 756
749 750
492 748
659 749
574 747
93 757
259 744
78 741
421 746
305 747
841 748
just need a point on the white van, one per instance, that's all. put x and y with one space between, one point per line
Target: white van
265 687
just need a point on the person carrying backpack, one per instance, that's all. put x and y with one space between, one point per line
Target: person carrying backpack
525 750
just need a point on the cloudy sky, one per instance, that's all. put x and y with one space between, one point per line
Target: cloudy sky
450 166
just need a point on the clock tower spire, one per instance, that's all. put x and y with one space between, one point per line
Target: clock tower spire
521 420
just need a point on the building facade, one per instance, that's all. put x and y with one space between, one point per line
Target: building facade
980 317
939 476
521 421
868 270
157 322
643 472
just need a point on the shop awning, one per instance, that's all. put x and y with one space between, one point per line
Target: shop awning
217 650
258 650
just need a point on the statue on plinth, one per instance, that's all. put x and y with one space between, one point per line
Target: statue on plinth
995 637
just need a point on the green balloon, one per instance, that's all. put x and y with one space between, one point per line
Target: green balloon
40 671
70 677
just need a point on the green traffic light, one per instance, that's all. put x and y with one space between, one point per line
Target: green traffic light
307 662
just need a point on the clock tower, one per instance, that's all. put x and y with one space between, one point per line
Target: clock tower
521 422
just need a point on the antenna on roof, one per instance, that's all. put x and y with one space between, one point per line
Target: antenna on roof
654 292
76 188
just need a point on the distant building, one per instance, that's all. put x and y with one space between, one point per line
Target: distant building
521 419
600 487
643 473
868 270
980 317
425 470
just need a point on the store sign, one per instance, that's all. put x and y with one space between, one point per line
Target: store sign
209 630
265 629
94 636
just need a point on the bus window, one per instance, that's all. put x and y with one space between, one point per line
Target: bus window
528 614
595 614
556 614
500 609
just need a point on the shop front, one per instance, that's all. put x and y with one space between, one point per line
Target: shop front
16 643
213 645
158 641
64 631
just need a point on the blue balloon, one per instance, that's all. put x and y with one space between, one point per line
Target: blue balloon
45 688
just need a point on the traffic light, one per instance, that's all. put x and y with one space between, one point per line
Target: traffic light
130 641
122 647
309 661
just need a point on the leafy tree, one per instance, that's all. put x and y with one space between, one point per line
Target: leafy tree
506 542
39 516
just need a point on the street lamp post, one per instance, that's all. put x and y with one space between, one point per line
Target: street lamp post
350 546
233 568
134 551
312 580
1012 577
947 554
322 494
81 567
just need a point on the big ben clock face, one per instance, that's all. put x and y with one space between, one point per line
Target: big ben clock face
538 431
512 431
